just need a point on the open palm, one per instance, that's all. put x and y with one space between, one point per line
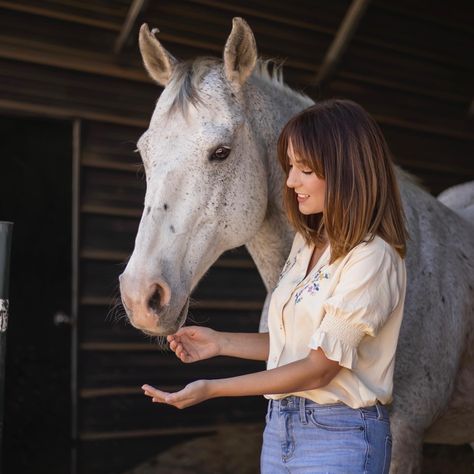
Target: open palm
193 343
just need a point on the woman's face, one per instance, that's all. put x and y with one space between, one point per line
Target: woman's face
309 188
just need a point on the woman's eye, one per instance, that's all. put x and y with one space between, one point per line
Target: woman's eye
307 172
220 153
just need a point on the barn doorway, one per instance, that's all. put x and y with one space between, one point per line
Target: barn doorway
35 193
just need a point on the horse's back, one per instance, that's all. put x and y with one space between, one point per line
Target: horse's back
433 356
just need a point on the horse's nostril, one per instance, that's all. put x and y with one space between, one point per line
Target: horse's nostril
154 302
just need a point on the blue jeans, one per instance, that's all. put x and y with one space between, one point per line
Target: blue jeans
305 437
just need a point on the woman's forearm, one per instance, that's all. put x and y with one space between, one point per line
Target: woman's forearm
309 373
253 346
313 371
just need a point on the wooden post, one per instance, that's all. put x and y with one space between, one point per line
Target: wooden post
6 229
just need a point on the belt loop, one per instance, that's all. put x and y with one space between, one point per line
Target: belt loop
302 407
269 411
379 411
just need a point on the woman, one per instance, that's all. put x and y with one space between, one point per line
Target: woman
335 314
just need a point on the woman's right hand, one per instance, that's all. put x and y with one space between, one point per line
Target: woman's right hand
193 343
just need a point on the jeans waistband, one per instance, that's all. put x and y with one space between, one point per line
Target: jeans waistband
295 403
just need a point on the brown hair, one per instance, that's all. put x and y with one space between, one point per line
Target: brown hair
343 145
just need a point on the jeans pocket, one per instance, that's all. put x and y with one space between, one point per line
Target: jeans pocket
329 421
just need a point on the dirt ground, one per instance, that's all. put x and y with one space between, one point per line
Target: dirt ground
237 451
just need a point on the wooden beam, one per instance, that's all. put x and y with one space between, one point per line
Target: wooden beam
69 113
119 391
111 211
121 347
342 39
59 15
202 304
34 52
132 14
114 256
106 435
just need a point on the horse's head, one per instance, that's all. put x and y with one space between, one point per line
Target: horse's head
206 189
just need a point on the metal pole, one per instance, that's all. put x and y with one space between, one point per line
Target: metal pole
76 169
6 229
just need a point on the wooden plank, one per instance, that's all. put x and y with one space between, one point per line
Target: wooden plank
202 304
113 391
119 346
112 256
46 12
34 52
112 165
66 112
156 432
110 211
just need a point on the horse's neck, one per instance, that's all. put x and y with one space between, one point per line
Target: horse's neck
270 247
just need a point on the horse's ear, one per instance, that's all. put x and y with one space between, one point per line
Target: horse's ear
158 62
240 52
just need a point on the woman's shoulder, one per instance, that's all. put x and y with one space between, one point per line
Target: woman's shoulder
374 249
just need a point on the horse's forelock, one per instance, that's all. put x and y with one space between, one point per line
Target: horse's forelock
187 76
185 82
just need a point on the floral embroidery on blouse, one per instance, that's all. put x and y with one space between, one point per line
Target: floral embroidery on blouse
312 286
289 264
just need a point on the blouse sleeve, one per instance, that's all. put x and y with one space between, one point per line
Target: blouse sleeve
366 294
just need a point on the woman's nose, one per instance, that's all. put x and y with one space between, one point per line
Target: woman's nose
291 181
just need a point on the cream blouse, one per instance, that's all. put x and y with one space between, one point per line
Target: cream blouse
352 309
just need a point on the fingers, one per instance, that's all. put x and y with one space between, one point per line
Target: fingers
185 330
159 396
177 347
181 352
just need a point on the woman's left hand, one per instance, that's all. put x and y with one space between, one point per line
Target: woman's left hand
194 393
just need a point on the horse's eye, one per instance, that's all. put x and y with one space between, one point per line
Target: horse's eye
220 153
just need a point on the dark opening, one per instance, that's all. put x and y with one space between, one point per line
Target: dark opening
35 193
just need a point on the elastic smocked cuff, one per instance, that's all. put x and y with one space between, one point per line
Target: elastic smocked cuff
338 325
334 348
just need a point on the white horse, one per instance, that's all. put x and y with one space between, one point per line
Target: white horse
213 184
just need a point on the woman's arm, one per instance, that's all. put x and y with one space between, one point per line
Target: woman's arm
254 346
193 343
314 371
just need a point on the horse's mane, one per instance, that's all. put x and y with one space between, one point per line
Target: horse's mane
187 76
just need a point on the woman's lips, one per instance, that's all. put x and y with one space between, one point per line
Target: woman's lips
302 197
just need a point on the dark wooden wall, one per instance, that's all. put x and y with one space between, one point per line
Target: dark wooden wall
409 64
114 359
